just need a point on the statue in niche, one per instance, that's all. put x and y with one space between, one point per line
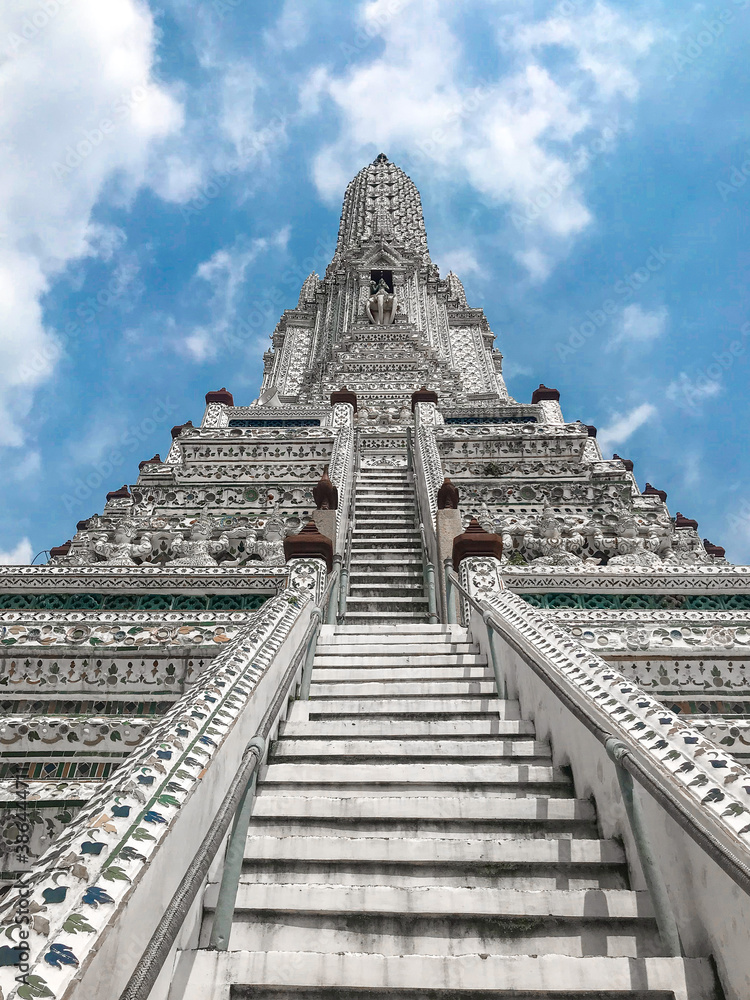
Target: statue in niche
123 551
382 305
198 549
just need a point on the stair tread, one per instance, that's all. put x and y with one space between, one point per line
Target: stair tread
404 850
594 904
446 806
478 773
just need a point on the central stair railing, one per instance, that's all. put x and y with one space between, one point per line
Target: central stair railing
339 608
428 567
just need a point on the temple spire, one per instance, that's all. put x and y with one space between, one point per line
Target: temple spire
382 202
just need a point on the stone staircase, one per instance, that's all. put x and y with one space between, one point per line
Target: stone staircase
411 838
386 580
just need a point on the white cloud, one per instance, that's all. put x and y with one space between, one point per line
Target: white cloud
292 26
537 263
225 272
638 326
80 101
689 393
623 425
515 138
513 370
28 467
21 555
462 261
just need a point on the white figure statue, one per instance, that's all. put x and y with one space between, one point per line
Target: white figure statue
198 549
382 305
122 551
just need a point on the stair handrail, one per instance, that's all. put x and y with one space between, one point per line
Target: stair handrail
236 806
428 567
631 760
343 591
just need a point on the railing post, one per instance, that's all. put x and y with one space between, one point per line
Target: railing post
431 598
343 592
451 612
333 600
665 920
304 693
230 879
499 676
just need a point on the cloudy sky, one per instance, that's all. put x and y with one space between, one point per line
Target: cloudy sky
170 170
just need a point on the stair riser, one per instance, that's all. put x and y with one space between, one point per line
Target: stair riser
460 707
281 975
405 935
441 809
378 590
331 727
302 827
446 750
346 674
528 878
407 659
378 618
403 689
357 605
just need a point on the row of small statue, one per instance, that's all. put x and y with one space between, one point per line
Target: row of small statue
553 542
198 549
384 416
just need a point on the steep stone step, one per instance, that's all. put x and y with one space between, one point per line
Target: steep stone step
430 810
383 562
402 689
313 975
393 605
410 707
406 632
343 672
407 659
482 774
289 749
384 617
393 647
409 921
367 727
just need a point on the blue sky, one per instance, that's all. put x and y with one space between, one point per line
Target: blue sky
171 172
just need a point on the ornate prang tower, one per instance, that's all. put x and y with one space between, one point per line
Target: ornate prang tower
473 704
